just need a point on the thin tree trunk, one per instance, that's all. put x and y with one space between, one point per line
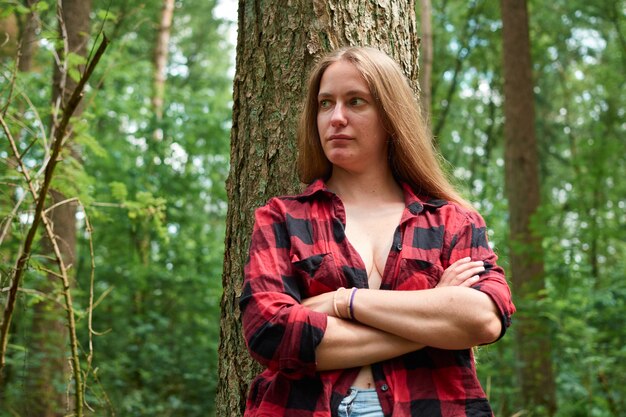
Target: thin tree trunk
426 56
160 64
50 325
278 43
523 192
28 39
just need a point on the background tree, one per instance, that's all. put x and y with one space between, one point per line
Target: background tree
275 50
523 192
160 63
49 322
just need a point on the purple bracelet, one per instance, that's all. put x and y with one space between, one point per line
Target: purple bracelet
351 306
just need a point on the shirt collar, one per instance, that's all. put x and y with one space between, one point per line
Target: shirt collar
413 202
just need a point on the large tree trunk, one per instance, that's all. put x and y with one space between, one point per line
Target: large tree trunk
523 192
50 327
278 42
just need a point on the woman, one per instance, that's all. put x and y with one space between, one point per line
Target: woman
364 295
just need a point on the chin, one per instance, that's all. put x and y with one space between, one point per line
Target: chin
342 162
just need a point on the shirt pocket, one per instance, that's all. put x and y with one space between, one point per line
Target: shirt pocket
317 273
417 274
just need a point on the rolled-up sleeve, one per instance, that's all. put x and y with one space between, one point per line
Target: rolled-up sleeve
280 333
470 239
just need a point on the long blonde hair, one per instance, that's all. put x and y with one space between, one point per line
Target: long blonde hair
412 154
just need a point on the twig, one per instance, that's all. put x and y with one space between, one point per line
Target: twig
51 272
9 219
60 203
16 154
30 291
33 108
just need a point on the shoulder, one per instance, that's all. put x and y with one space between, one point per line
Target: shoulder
313 193
294 205
457 217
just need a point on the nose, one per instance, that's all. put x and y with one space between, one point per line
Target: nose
338 116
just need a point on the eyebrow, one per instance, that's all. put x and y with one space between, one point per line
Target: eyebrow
324 94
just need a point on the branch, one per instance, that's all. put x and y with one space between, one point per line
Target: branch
60 203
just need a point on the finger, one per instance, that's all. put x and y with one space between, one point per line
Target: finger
470 281
459 267
469 273
460 262
463 267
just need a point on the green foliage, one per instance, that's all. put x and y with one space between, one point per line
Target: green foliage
156 210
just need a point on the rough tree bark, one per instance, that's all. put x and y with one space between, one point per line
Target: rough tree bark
50 328
523 193
278 42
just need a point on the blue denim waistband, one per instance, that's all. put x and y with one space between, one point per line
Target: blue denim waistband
360 403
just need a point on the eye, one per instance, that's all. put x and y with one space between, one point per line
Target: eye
357 101
324 104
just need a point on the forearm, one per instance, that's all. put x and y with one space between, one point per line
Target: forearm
446 318
348 344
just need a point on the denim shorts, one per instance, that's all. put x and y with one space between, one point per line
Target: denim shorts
360 403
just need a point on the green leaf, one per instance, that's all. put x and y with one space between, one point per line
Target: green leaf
106 15
40 7
118 191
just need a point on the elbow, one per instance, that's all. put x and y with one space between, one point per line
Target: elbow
264 342
489 329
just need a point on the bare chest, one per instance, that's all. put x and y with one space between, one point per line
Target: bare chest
370 232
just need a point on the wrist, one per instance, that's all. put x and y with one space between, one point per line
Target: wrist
343 303
336 306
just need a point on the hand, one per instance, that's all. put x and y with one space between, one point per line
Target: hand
462 273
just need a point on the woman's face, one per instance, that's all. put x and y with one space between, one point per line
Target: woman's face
348 121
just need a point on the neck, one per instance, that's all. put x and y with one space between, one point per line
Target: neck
368 187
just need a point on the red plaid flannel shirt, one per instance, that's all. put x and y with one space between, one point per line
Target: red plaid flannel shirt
299 249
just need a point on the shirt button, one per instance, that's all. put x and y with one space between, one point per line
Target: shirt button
384 387
399 246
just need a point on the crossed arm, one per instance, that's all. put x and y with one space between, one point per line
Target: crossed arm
391 323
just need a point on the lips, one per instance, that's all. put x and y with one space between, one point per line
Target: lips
339 137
